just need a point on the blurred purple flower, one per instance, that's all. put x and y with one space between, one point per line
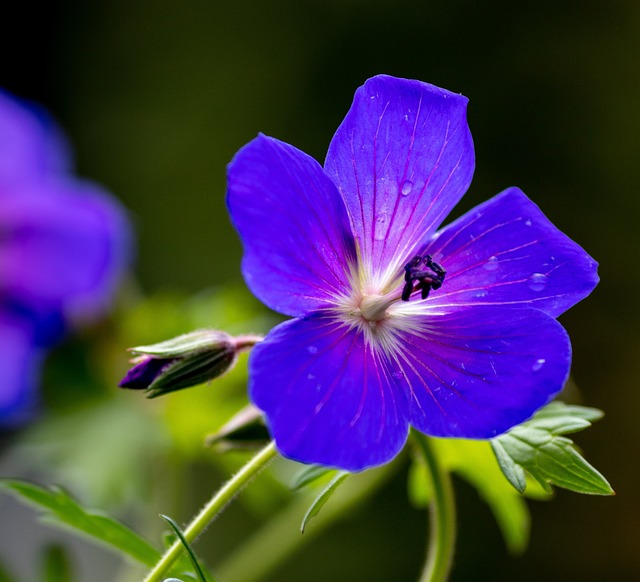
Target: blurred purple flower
397 323
64 243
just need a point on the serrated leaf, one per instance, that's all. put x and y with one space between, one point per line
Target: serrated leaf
308 475
60 509
537 447
322 499
559 409
514 473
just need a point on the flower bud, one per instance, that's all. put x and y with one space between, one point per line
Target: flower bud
246 430
184 361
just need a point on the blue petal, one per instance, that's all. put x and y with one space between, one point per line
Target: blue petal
401 159
19 366
296 234
506 252
65 245
328 397
31 145
476 372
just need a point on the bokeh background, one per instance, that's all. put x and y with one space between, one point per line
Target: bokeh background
157 96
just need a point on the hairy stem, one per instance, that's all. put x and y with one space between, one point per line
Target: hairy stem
211 510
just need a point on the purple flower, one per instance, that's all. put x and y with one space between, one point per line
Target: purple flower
396 323
64 243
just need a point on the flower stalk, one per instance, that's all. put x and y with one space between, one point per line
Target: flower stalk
442 531
212 509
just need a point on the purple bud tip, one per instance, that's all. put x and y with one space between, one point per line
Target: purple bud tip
142 375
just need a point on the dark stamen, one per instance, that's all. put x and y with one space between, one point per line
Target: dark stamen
418 279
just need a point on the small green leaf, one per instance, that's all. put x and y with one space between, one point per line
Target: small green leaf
61 510
514 473
558 409
190 552
182 565
57 567
324 496
308 475
537 447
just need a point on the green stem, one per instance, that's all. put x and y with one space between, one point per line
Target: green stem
442 516
211 510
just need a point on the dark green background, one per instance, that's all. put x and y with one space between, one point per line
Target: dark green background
158 95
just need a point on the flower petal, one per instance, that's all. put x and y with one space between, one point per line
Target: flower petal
476 372
65 246
30 142
296 234
328 397
506 252
402 158
19 365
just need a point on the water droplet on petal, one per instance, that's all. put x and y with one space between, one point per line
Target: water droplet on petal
406 187
491 264
310 377
312 349
480 293
538 364
528 222
537 282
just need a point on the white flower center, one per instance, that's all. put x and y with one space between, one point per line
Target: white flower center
374 307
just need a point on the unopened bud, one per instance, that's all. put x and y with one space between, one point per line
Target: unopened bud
184 361
246 430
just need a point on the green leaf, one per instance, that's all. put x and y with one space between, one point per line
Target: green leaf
61 510
190 552
514 473
308 475
324 496
537 447
182 565
57 567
